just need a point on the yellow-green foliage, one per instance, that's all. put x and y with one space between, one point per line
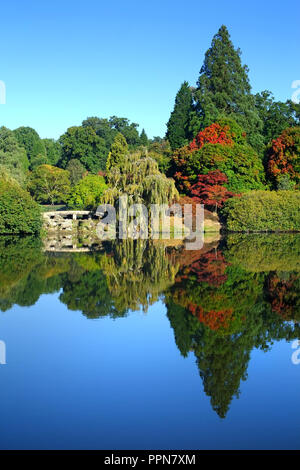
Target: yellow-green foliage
257 252
117 152
259 211
49 184
139 178
137 273
87 193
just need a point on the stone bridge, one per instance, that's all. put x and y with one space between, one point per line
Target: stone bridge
65 229
69 221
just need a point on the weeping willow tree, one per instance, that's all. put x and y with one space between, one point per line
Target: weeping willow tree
140 179
137 273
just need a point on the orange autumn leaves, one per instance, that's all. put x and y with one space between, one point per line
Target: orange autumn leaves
283 295
210 269
214 134
283 155
215 320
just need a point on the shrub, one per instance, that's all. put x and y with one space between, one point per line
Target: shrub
87 193
268 211
19 213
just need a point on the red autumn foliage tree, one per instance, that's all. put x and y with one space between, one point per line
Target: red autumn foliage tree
283 295
214 319
284 155
221 146
210 267
210 190
214 134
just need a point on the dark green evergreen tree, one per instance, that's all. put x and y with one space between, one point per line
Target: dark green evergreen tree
224 89
178 126
144 139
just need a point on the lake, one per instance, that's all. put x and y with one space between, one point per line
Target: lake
142 346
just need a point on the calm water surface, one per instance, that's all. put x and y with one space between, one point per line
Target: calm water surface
143 346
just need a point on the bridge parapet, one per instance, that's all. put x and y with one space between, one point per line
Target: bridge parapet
69 221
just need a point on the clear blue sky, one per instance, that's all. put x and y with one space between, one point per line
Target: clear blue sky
65 60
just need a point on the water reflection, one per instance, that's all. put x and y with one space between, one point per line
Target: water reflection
222 301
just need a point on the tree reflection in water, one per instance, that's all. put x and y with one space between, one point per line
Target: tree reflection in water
222 301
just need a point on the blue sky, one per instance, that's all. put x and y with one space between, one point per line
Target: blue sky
65 60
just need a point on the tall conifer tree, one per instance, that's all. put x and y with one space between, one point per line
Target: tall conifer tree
223 89
143 138
118 151
178 133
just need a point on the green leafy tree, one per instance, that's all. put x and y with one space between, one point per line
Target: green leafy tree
53 150
33 144
82 143
118 152
144 139
103 129
178 126
127 129
160 150
38 161
76 171
224 89
107 129
87 193
49 184
275 115
13 157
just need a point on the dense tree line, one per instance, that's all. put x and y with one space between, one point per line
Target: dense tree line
221 141
220 125
68 171
223 90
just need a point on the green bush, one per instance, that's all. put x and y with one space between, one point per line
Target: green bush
87 193
19 213
258 211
